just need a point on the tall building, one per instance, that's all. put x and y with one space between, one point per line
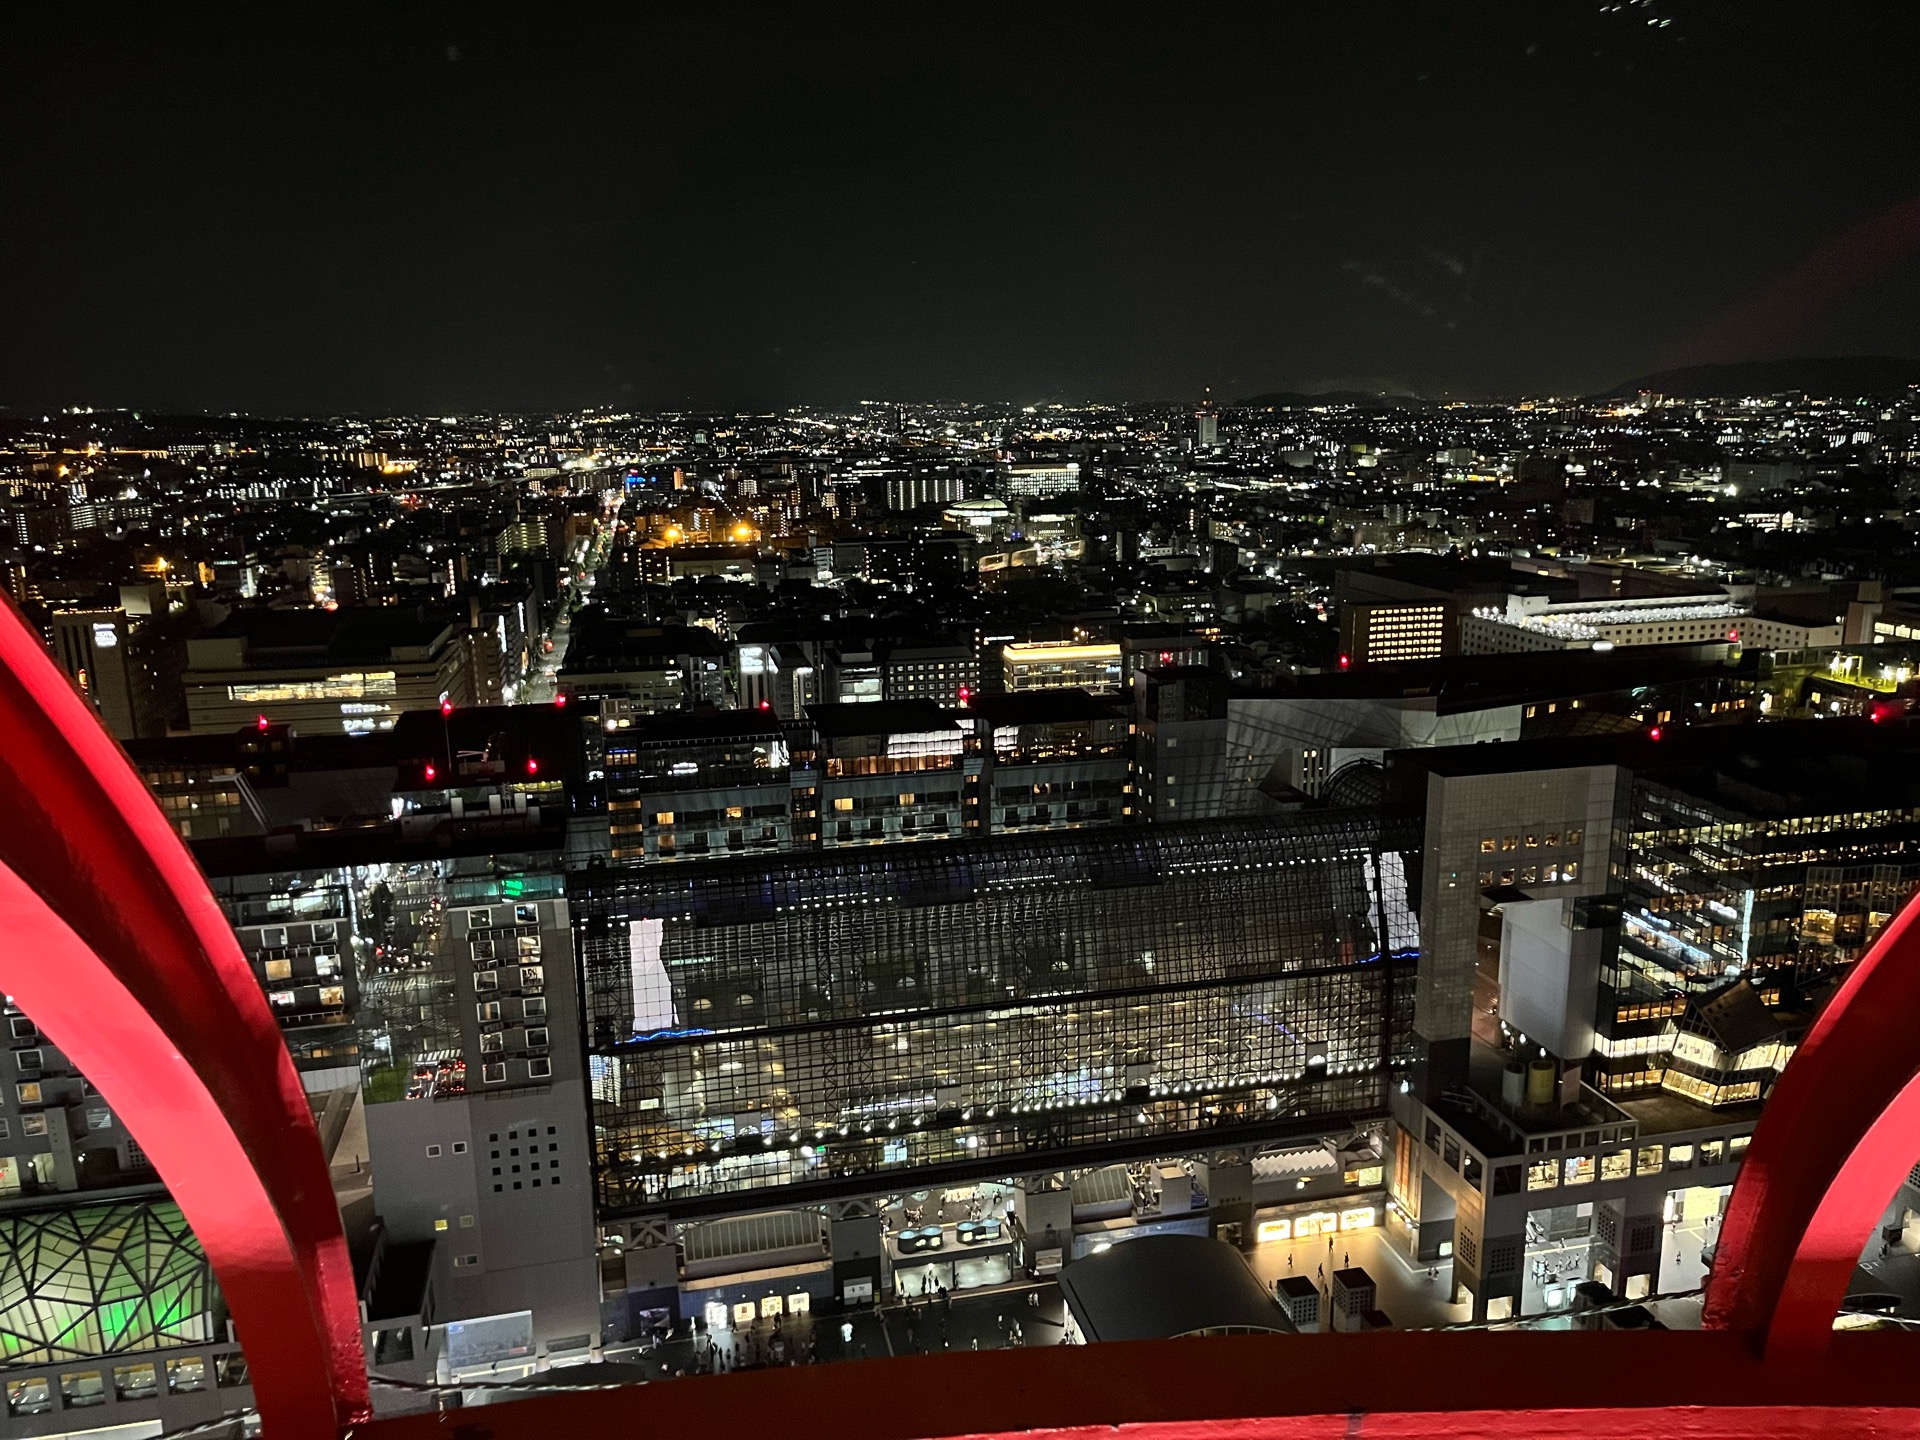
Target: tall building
126 660
1622 939
1206 424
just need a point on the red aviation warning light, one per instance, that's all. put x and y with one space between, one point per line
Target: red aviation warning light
261 724
446 707
766 704
1346 662
1654 733
559 702
432 774
533 766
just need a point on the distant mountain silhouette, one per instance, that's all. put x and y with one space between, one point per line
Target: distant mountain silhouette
1293 399
1833 375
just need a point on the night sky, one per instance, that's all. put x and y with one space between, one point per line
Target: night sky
348 212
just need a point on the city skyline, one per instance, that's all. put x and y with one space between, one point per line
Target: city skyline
728 692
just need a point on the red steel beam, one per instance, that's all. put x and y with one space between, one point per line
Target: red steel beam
1840 1131
118 951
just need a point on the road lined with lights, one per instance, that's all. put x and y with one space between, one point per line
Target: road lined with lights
543 680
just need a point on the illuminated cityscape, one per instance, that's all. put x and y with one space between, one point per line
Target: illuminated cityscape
1338 821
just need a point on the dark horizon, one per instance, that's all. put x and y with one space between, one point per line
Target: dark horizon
300 217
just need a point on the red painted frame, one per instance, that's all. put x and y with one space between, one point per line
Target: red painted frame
1840 1131
116 948
114 945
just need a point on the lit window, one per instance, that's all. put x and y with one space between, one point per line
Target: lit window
28 1091
843 803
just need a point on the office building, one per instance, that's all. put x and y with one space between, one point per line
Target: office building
324 670
641 668
682 787
1041 479
1666 914
1046 760
1046 665
878 773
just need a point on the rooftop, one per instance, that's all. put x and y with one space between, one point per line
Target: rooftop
880 717
1043 707
1160 1286
371 632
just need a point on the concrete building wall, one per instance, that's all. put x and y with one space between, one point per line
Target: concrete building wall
1478 833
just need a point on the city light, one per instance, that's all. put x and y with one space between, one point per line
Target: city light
1064 903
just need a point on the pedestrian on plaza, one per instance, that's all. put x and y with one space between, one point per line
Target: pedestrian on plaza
1346 1258
1289 1259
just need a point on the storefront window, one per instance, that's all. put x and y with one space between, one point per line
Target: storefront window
1578 1170
1543 1175
1616 1166
1650 1160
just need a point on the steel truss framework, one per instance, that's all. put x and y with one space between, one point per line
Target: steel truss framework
100 1280
789 1022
